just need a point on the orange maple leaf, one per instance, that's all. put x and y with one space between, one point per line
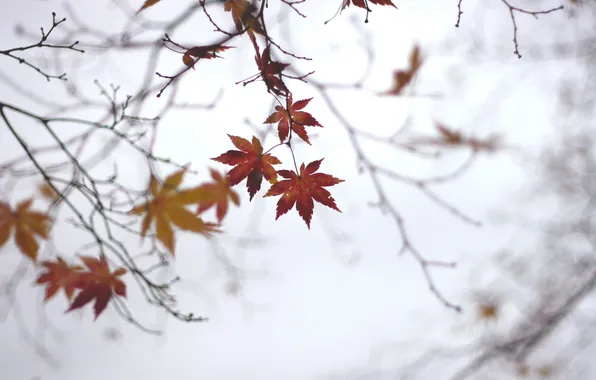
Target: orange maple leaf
362 3
249 162
48 192
302 189
401 78
168 207
26 224
194 54
294 117
217 193
147 4
58 274
97 283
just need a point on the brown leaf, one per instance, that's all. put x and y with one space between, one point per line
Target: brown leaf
26 224
147 4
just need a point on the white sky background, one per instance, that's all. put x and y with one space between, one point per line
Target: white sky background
310 305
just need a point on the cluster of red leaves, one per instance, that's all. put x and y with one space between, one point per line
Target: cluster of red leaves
299 188
94 283
166 206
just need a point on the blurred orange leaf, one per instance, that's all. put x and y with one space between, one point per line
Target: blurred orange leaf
217 193
26 224
147 4
48 192
168 207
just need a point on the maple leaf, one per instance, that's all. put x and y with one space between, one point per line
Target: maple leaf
301 190
97 283
194 54
271 72
147 4
168 207
243 16
26 224
401 78
294 117
48 192
58 274
217 193
250 162
450 138
362 3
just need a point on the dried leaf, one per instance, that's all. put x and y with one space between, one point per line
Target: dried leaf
402 78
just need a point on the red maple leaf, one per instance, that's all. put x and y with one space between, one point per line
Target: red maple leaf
249 162
302 189
294 117
194 54
271 72
98 284
362 3
58 274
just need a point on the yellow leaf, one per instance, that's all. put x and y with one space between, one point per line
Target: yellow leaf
173 181
186 220
168 207
190 196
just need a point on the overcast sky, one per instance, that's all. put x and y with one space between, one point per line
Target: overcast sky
309 303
